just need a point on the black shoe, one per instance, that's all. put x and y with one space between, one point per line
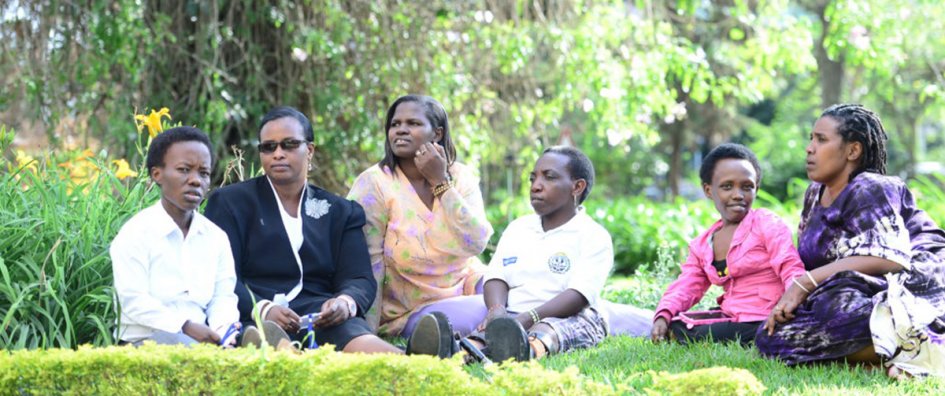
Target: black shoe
506 339
432 336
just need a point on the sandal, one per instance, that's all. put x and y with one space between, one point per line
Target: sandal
473 353
432 336
251 337
506 339
274 333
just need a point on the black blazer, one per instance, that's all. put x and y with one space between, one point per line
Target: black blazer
334 253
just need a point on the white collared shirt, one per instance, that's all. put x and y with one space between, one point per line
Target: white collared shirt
163 279
539 265
293 229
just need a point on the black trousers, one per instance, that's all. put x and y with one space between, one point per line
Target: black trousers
743 332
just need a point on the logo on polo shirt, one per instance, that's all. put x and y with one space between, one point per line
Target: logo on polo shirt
509 261
559 263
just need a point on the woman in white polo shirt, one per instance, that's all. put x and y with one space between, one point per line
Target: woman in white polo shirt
545 278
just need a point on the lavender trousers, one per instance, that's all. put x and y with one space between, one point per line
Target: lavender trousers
467 312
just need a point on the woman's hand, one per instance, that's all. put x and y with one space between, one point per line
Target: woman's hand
285 317
200 332
334 312
494 312
431 162
660 330
783 311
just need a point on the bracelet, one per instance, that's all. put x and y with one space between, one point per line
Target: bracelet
796 282
534 315
265 312
811 277
442 187
260 306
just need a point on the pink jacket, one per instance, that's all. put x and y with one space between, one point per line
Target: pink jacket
762 262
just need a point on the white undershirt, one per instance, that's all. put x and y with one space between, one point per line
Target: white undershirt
293 228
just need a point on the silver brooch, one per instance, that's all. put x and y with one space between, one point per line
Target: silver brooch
316 208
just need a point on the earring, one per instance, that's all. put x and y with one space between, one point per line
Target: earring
311 166
575 201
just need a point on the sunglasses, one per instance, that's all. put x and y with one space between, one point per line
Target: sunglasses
288 144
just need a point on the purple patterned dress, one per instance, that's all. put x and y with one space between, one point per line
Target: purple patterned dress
874 215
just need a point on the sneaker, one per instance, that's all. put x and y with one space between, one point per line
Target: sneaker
432 336
506 339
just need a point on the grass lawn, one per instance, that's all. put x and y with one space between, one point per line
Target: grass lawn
634 361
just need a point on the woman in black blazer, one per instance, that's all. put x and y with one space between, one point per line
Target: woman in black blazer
297 249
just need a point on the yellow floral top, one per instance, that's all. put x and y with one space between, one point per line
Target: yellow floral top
420 256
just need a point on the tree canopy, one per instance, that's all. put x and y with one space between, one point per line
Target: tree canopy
644 87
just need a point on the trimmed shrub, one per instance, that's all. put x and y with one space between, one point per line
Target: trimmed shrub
708 381
206 369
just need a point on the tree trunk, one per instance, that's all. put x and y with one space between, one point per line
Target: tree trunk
831 71
676 131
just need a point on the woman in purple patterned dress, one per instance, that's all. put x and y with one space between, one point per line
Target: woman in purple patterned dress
875 290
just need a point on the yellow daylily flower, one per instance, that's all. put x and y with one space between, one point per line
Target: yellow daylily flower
82 173
84 155
152 121
25 161
124 170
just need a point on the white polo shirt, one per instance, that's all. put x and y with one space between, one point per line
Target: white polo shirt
163 279
539 265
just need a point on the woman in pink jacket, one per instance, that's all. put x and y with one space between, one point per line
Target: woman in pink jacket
749 252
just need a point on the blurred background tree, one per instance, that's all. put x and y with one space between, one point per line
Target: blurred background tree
644 87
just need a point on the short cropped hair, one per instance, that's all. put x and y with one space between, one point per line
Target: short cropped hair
164 140
727 151
579 167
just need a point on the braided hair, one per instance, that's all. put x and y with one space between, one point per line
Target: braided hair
858 124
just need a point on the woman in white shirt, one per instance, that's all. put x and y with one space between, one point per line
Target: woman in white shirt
543 286
173 268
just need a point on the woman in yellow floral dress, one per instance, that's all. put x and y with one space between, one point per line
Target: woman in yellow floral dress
426 223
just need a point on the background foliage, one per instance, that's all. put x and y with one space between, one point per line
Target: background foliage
645 87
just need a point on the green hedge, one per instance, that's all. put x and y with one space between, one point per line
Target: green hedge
206 369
